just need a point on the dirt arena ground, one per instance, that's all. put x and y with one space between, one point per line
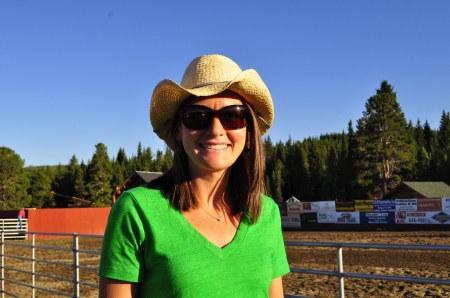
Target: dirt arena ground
430 264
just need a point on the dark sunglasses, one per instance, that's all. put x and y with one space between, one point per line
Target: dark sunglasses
200 117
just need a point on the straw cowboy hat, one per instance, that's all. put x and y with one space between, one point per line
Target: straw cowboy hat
205 76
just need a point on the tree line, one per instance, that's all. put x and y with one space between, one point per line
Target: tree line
94 181
364 162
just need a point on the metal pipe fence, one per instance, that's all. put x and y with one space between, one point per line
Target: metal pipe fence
8 262
11 229
340 273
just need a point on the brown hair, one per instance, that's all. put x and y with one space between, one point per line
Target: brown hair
246 177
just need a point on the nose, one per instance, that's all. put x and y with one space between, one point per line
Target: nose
216 127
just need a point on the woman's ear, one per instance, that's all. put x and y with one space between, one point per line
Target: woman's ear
178 134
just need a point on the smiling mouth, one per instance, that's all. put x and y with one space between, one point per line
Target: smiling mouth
214 147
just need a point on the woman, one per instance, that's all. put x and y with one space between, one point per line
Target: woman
203 229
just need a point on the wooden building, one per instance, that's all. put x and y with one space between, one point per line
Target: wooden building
406 190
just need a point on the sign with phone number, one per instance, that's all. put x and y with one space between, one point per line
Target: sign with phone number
428 217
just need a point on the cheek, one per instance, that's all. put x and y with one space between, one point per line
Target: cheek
188 136
238 137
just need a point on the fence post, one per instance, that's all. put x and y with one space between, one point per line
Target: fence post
3 262
340 271
76 270
33 250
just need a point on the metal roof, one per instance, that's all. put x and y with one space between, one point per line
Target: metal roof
148 176
430 189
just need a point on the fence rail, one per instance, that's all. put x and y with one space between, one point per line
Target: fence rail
32 273
341 274
11 228
6 265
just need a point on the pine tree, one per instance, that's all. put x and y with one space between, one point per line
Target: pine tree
442 155
277 182
158 164
329 189
13 181
343 177
100 176
352 191
40 189
422 167
444 131
167 159
410 173
146 160
79 187
419 135
316 162
383 145
299 175
429 137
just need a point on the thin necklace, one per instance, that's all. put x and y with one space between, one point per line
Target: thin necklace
218 218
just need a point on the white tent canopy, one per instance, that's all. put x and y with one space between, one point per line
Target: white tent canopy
292 199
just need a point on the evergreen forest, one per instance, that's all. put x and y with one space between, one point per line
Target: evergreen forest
374 155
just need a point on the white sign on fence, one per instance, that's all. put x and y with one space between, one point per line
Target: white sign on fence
347 217
405 204
326 217
294 208
292 221
322 206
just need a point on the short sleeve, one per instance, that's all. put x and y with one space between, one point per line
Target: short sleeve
122 255
280 263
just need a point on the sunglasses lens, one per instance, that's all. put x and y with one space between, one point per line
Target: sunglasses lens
195 117
233 117
200 117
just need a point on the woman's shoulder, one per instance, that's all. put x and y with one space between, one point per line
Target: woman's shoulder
142 195
268 201
269 205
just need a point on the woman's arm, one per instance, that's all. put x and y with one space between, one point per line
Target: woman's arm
276 288
113 288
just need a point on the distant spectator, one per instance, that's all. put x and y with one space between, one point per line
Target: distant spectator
20 216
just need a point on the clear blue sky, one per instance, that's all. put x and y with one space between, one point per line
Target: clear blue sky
76 73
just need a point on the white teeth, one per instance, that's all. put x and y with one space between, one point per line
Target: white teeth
216 147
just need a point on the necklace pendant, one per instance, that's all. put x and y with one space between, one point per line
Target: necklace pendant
219 219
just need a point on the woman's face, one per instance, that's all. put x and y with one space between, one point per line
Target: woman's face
215 148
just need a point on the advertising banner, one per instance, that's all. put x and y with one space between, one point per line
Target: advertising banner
308 217
416 217
364 205
292 221
347 217
345 206
384 205
405 204
429 204
326 217
446 204
325 206
400 217
377 217
294 208
440 217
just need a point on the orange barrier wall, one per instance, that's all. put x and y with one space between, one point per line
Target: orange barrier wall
68 220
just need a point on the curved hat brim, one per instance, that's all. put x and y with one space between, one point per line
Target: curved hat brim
168 96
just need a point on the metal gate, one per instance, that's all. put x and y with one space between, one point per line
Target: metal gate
8 260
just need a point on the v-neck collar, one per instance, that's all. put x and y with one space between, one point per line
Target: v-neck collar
226 251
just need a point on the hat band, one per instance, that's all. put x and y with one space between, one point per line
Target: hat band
209 83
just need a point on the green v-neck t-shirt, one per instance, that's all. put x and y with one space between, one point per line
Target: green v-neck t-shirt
148 242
